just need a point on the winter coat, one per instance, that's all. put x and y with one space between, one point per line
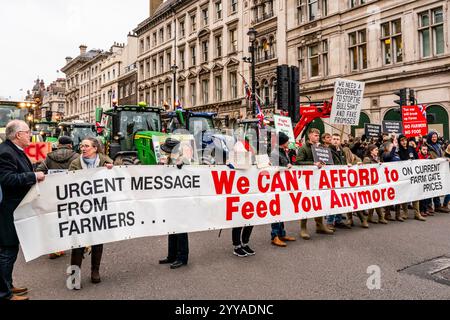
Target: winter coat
279 158
76 164
434 149
16 179
350 157
391 156
423 157
304 155
58 159
338 156
370 160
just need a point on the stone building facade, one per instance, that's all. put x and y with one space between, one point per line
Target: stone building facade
128 73
206 41
54 99
387 44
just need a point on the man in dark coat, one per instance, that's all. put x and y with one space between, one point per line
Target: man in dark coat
16 179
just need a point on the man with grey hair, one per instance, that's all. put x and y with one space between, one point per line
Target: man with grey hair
16 179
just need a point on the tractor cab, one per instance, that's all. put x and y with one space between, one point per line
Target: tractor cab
77 130
259 140
127 131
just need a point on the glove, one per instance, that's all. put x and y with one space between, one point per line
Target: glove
180 165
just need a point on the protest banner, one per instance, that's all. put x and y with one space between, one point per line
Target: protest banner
392 126
321 154
94 206
284 124
347 102
414 121
372 130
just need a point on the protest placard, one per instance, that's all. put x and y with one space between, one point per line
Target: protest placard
414 121
392 126
372 130
347 102
284 124
322 154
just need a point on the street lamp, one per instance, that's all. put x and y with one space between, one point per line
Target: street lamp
252 37
174 69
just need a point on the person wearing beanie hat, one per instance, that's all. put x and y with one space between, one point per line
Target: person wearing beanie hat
178 247
59 160
279 157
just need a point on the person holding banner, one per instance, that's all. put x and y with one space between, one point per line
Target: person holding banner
447 197
373 158
425 203
91 157
178 248
435 151
279 157
16 179
406 152
305 158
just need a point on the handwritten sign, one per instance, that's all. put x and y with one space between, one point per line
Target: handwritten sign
347 102
284 124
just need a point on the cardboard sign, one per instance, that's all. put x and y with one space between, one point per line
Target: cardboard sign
284 124
37 151
347 102
321 154
414 121
392 126
372 130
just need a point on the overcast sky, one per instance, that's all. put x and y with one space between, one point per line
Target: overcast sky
37 35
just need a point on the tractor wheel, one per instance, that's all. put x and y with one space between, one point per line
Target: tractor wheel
127 161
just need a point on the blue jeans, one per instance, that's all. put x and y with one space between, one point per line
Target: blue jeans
437 202
424 204
8 256
446 200
278 230
337 218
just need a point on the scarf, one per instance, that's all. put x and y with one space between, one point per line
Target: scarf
90 163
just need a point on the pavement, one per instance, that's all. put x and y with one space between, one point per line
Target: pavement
325 267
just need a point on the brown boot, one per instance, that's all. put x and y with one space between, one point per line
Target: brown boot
418 216
349 221
370 217
442 209
320 227
96 259
277 242
398 216
387 214
405 211
363 219
381 216
304 230
286 238
18 298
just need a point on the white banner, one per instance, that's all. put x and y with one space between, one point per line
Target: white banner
347 102
88 207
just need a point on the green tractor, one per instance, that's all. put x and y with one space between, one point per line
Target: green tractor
48 131
128 132
77 130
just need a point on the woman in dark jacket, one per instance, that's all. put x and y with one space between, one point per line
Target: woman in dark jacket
90 158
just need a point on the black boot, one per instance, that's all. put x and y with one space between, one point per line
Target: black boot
96 259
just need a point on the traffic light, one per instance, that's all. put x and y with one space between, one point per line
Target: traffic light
403 97
412 98
294 94
48 115
283 87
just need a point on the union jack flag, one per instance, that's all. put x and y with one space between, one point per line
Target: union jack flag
423 109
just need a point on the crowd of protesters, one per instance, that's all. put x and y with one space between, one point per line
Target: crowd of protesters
17 177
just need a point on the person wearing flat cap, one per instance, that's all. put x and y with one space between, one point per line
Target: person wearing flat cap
178 250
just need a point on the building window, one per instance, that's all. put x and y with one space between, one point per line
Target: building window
169 31
391 41
431 32
169 95
182 60
233 85
142 45
161 64
154 66
355 3
218 88
141 67
218 10
161 35
325 57
313 8
205 91
324 8
147 68
193 23
205 45
193 57
233 6
358 50
182 29
133 87
193 94
313 57
218 45
154 39
301 61
233 40
161 96
205 14
147 40
300 11
169 60
153 98
181 94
